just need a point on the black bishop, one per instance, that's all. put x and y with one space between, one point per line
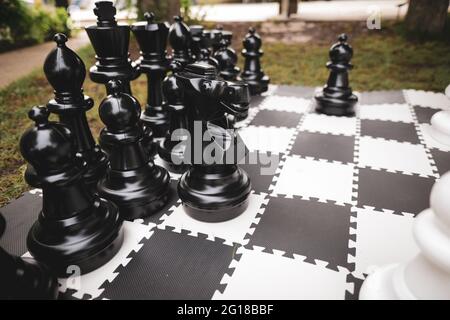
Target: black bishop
66 72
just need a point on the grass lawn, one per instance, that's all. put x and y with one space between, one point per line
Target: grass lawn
382 61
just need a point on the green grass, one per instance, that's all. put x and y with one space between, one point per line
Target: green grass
382 61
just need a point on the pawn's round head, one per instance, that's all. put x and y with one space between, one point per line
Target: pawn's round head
47 146
341 51
252 40
440 199
119 111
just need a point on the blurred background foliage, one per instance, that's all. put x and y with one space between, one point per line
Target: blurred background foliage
22 24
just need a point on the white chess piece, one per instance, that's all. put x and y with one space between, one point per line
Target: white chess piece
440 124
427 276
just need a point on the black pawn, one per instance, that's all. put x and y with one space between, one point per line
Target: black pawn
257 81
152 39
66 72
337 97
132 180
110 41
212 191
75 227
180 40
171 151
24 278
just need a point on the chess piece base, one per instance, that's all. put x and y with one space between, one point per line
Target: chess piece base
440 127
386 283
168 153
335 106
156 119
214 193
46 287
137 193
257 85
87 240
241 116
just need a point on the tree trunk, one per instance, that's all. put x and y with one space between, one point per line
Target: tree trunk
163 9
288 7
427 16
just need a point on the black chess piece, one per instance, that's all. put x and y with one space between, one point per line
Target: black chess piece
171 151
110 41
24 278
215 38
66 72
257 81
75 226
180 40
337 97
207 38
132 180
152 39
227 58
213 189
197 35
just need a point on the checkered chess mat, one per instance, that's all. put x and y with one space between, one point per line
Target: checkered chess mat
337 197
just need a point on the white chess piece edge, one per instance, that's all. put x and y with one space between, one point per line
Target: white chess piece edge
427 276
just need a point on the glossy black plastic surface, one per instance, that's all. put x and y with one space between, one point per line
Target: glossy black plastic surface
253 74
132 180
218 191
75 227
152 39
337 97
110 41
180 40
66 72
24 278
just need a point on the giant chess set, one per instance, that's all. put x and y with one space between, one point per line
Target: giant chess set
314 193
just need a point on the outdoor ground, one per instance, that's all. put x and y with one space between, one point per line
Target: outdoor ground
295 53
